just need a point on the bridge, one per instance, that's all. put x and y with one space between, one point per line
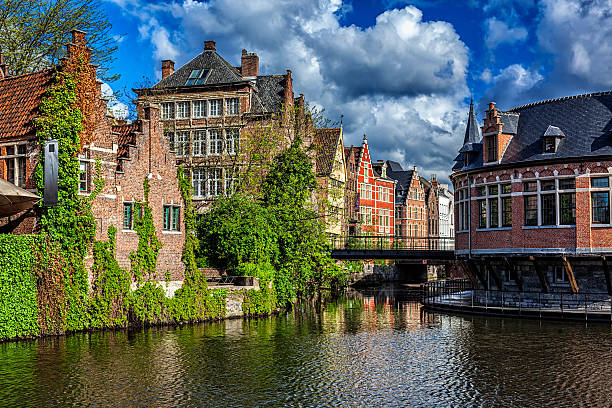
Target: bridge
434 249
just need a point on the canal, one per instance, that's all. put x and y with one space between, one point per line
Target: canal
366 349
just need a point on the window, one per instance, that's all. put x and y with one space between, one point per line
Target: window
232 106
170 137
493 213
197 77
550 144
547 185
232 137
183 110
531 210
568 208
530 186
493 190
182 143
199 109
506 188
168 110
231 183
171 217
600 202
567 184
16 164
365 172
199 143
214 107
508 275
491 148
482 214
215 182
128 216
549 209
83 181
600 182
215 142
506 211
558 273
481 191
199 182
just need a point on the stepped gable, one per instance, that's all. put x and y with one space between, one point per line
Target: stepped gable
325 145
20 98
585 120
126 136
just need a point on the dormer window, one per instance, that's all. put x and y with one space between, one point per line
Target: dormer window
491 148
551 139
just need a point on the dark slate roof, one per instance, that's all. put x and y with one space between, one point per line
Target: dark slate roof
472 131
221 72
377 170
20 98
509 122
394 166
585 120
325 144
270 95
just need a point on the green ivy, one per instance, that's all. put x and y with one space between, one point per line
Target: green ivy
144 260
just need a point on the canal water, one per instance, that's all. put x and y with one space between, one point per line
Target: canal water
367 349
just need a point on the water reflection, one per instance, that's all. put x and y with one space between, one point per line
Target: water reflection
367 349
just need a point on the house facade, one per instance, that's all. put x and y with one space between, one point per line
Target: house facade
532 196
330 171
375 193
221 120
127 153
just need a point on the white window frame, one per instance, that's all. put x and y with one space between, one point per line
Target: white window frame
183 110
199 109
232 106
215 142
168 110
198 145
215 107
181 139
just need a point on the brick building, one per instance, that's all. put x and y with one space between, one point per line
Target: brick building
127 152
331 178
375 194
410 204
532 197
351 198
440 214
220 120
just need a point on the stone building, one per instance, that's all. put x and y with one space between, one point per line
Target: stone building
221 120
331 178
128 153
532 197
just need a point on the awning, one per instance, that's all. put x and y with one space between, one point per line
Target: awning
14 199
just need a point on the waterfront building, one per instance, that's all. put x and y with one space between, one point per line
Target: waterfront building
532 196
330 170
351 198
127 153
410 204
221 120
440 214
374 194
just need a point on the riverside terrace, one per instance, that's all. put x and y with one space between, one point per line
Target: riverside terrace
532 198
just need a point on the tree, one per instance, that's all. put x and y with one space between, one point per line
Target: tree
33 33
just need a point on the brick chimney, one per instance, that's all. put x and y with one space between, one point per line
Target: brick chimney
210 46
250 64
78 46
167 68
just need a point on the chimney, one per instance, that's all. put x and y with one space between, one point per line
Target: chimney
250 64
78 38
210 46
167 68
78 47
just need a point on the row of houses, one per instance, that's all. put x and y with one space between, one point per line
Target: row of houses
360 196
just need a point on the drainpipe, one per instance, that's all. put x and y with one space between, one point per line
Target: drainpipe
469 217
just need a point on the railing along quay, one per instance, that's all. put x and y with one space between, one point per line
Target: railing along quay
459 295
391 242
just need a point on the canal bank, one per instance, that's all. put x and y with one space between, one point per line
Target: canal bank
368 348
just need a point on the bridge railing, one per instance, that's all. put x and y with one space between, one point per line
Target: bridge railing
389 242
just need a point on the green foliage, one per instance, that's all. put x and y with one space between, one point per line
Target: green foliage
18 294
144 260
236 231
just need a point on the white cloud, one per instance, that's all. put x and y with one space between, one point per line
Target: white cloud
498 32
512 86
113 106
401 81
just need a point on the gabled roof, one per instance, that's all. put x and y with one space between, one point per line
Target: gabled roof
553 131
325 144
355 152
221 72
20 98
509 121
127 136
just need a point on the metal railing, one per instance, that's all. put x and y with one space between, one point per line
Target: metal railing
390 242
460 294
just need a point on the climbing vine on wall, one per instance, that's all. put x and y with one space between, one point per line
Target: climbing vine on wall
144 260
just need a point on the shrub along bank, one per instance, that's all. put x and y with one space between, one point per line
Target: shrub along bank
275 236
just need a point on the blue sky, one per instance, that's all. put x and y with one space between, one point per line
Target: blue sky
401 71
